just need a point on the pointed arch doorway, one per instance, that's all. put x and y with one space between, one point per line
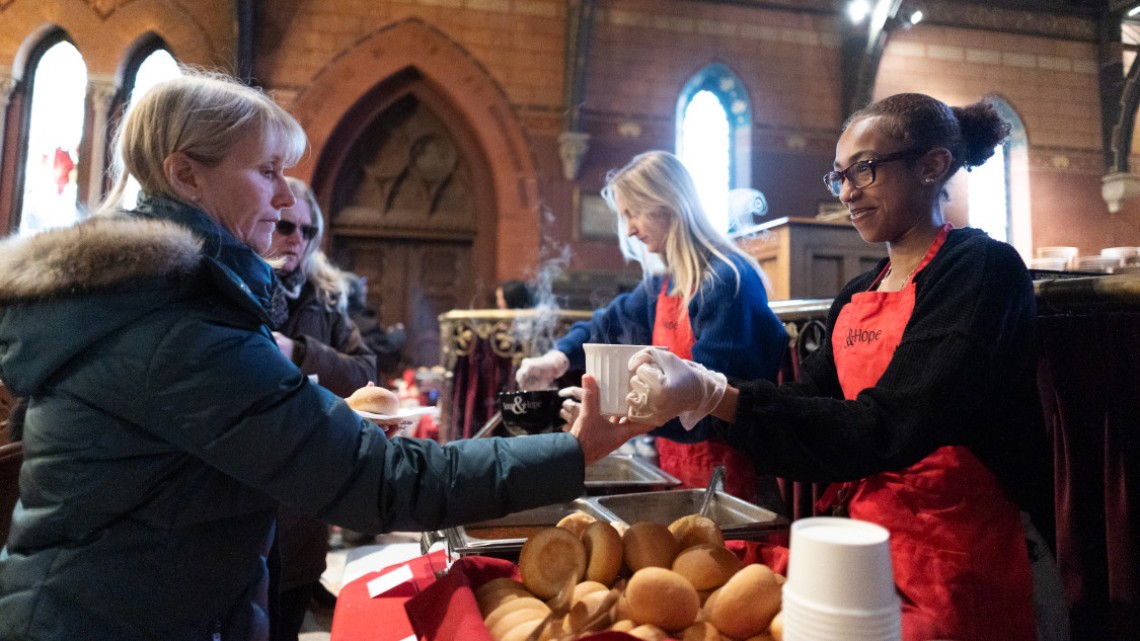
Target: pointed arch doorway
404 206
425 175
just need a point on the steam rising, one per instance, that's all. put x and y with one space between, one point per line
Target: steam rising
537 333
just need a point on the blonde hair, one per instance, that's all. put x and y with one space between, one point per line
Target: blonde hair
657 180
202 114
314 264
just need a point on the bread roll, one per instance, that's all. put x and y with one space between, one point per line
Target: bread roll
497 584
584 588
776 627
549 559
707 603
520 631
694 529
706 566
745 605
374 399
625 625
576 522
647 544
587 609
663 598
699 631
509 621
515 605
492 600
603 552
648 633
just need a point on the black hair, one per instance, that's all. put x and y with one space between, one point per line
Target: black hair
970 133
517 294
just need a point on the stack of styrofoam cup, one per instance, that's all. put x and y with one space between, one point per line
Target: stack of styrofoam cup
840 584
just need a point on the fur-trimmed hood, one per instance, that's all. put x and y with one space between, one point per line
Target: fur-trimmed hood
100 252
64 291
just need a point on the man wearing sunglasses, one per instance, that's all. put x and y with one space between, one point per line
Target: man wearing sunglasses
312 329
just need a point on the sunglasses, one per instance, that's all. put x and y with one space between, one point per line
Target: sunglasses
862 173
286 228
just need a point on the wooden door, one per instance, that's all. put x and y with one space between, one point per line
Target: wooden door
413 282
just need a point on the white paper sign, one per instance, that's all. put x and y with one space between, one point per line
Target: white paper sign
396 577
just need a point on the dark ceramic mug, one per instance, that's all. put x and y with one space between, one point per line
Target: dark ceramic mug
531 412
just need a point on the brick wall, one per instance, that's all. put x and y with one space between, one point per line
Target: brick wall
642 53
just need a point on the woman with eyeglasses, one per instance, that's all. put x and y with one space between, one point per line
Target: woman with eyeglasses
164 427
310 305
921 409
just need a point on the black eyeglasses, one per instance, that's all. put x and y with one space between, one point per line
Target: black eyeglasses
286 228
861 173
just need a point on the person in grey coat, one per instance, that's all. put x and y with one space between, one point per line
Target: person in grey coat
164 426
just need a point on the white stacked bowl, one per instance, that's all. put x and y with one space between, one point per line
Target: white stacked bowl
840 583
1068 254
1126 255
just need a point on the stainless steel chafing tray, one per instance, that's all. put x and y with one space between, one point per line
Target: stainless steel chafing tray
504 537
616 474
737 518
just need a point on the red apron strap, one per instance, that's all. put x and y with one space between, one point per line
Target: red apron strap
693 463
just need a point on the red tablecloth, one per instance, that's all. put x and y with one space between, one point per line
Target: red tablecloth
359 617
445 609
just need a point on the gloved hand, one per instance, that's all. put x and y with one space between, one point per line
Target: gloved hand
664 386
540 372
572 406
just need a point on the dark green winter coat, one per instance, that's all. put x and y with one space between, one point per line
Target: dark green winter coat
164 426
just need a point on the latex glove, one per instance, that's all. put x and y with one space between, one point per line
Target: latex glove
572 406
599 435
540 372
664 386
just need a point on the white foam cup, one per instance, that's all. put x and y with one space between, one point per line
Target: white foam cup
840 581
609 365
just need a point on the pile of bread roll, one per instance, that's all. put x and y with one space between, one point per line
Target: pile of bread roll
651 581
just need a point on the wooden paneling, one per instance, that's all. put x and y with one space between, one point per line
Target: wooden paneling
809 258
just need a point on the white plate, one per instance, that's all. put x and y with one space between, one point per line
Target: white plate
401 415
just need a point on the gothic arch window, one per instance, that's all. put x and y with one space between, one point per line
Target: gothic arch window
998 189
151 65
714 120
57 86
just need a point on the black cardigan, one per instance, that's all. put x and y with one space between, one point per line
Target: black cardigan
964 373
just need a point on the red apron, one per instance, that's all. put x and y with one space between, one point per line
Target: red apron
957 544
693 463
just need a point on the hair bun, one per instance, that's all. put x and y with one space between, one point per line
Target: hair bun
982 130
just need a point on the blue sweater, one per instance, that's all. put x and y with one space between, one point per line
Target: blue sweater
734 331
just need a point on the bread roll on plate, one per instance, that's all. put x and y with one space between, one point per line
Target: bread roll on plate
374 400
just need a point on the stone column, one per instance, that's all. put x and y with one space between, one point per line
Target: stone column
102 92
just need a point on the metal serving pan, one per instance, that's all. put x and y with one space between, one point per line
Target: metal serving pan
616 474
737 518
504 537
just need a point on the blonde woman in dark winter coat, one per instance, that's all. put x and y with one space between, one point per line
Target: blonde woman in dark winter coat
164 426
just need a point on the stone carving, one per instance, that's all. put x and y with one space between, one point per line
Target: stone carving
414 176
572 146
